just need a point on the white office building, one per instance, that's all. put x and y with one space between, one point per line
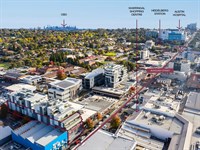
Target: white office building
65 90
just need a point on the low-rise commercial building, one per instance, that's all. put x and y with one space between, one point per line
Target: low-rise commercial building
160 103
98 103
155 131
182 76
193 102
32 80
12 76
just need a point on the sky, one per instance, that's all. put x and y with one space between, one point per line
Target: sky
94 14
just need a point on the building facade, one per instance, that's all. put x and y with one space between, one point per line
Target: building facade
94 78
32 80
182 66
114 75
65 90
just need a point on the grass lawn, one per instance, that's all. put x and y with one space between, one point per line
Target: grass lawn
110 54
4 65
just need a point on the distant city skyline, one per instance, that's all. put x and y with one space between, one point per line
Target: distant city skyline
94 14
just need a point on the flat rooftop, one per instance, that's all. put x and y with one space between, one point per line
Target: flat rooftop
85 113
31 77
193 101
194 119
20 86
128 131
151 131
64 84
49 137
94 73
30 96
68 82
166 103
169 123
103 140
109 90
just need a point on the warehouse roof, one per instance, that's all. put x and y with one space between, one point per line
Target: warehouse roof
193 101
38 132
49 137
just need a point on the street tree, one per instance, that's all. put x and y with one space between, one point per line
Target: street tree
115 122
99 116
90 123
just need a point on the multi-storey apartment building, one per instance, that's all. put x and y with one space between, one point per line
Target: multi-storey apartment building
114 75
52 112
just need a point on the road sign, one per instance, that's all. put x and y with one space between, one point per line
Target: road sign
160 70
